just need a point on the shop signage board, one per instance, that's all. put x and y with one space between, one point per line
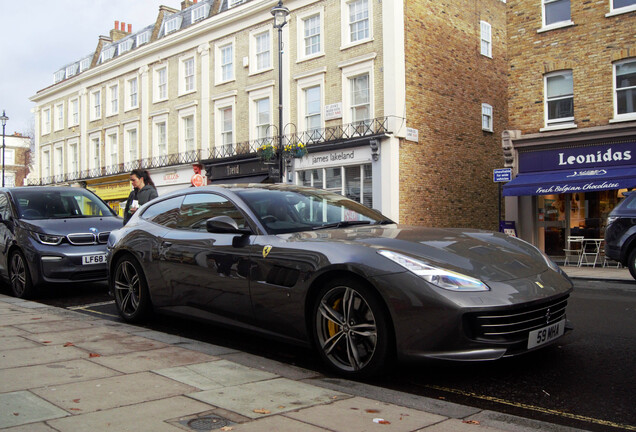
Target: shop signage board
111 191
349 156
502 175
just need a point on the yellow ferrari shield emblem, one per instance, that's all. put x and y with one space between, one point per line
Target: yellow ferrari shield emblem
539 284
266 250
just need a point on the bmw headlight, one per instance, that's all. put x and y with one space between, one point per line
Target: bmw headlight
440 277
48 239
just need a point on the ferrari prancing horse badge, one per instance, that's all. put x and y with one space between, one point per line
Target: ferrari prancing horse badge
266 250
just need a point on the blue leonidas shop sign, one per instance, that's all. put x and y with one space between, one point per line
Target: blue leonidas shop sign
582 169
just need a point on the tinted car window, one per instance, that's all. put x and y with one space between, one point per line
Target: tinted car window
76 203
5 209
164 212
198 208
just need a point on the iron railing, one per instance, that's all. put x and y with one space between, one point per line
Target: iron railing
332 134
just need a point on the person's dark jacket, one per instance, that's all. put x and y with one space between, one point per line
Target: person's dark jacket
143 195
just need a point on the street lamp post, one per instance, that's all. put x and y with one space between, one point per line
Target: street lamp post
4 119
280 13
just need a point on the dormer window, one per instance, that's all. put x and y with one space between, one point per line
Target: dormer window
173 24
232 3
201 12
84 64
71 70
143 38
59 76
107 54
125 46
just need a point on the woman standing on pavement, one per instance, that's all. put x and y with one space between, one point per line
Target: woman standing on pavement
143 191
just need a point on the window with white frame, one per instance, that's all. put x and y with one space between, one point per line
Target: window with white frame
622 6
232 3
224 125
59 76
225 62
9 179
360 98
46 121
46 162
625 89
73 157
356 21
311 39
263 117
313 108
94 152
556 13
85 64
96 105
173 24
187 141
132 93
486 39
559 98
200 12
160 136
352 181
107 53
124 46
486 117
73 112
161 83
113 99
131 143
260 113
59 116
188 83
261 52
9 156
71 70
112 145
227 131
143 38
58 160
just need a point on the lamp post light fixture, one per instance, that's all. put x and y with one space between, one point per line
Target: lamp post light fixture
4 119
280 13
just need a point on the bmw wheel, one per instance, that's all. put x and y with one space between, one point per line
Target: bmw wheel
350 328
130 289
20 278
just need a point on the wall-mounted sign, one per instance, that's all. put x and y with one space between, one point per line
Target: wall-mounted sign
333 111
350 156
502 175
412 134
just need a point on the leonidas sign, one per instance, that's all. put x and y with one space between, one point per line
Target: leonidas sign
578 158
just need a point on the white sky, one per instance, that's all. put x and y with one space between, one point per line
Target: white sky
38 37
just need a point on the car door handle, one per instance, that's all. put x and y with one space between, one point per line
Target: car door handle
166 244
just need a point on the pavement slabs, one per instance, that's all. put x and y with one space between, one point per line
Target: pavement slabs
215 374
258 399
16 342
27 318
51 374
277 424
161 358
150 416
360 414
18 408
113 392
39 355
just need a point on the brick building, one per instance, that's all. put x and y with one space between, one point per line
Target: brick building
572 116
399 105
17 159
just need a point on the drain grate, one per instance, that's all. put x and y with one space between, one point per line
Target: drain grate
206 423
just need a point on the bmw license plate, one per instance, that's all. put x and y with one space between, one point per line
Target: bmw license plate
546 334
93 259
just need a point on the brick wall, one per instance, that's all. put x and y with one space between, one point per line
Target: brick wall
446 178
588 48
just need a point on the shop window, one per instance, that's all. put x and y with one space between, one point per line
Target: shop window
353 181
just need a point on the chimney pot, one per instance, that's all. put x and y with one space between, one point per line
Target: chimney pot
116 25
123 26
129 28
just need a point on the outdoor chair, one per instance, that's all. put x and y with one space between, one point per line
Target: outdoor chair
573 250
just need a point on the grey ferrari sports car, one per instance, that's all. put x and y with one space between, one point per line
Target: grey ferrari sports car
313 267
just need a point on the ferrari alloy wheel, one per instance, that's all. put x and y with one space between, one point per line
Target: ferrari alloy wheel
350 328
128 284
20 278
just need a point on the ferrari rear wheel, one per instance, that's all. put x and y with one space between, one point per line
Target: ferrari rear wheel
130 289
350 328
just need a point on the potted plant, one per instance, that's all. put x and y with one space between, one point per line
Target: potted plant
295 150
266 152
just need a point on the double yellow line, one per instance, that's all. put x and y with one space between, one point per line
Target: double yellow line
534 408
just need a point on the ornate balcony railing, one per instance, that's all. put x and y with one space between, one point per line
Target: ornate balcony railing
241 150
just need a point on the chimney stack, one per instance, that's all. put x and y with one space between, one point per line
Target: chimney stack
119 31
129 28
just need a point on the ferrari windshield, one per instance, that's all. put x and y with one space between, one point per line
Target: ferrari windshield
59 204
284 211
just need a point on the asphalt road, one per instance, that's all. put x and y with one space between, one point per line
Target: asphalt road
588 381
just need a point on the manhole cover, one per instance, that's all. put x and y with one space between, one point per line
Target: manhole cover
207 423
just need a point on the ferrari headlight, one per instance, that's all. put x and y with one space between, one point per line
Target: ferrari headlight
48 239
442 278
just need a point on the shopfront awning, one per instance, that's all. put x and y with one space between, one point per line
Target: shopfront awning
571 181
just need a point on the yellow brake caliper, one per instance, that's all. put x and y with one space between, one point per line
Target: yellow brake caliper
332 326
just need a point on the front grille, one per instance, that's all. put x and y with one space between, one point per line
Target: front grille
513 325
103 237
80 239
